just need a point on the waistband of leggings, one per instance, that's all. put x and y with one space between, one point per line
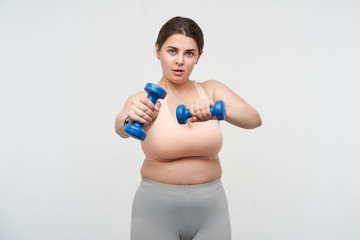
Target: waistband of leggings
181 189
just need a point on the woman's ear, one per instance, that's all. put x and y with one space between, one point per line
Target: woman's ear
157 50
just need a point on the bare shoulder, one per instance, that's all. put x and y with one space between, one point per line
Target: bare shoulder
213 88
212 83
133 97
137 95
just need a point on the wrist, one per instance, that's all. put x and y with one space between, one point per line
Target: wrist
126 121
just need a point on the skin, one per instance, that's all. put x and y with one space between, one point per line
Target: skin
178 57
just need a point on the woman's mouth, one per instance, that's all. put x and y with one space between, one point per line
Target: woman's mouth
178 72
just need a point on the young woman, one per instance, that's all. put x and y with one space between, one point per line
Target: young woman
181 194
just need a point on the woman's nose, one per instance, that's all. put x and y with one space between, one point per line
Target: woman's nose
180 60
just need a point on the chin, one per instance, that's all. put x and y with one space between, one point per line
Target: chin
180 81
177 80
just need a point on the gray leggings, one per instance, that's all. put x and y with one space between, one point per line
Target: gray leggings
180 212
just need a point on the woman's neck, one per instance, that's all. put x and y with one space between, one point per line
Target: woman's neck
174 88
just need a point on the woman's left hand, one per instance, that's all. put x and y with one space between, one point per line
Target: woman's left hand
200 111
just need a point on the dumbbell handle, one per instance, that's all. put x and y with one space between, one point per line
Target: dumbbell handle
219 110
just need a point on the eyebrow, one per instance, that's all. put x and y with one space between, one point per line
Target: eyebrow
187 50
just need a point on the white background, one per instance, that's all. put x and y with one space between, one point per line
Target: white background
66 68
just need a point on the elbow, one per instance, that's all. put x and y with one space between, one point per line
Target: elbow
258 123
253 125
249 121
258 120
255 122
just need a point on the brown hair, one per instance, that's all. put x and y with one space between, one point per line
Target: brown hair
181 25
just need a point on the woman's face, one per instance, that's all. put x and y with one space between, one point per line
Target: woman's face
178 56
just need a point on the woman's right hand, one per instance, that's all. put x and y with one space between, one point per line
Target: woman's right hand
142 110
137 108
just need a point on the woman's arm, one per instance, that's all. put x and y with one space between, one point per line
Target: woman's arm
137 108
119 124
238 112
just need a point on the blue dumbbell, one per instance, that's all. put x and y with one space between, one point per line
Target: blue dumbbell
219 110
135 129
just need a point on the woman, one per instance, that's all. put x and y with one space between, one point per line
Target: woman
181 195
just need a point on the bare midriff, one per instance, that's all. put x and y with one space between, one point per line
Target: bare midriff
186 171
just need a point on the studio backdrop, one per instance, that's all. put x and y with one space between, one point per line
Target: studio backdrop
67 67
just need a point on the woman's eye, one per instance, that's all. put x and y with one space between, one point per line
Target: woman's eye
189 54
171 51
